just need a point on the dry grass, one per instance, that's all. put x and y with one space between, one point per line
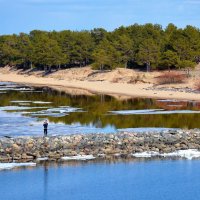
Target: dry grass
171 78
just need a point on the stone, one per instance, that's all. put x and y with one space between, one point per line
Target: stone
110 145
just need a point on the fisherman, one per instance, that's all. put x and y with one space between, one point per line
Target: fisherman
45 125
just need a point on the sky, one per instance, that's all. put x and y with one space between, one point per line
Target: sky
25 15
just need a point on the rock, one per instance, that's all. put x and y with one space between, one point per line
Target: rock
110 145
16 147
30 145
5 158
26 157
177 145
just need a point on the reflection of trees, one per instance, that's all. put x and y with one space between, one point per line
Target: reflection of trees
97 108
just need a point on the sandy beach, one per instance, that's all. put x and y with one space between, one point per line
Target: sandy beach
105 84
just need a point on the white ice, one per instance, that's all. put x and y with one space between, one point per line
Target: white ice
63 109
42 159
49 114
20 101
41 102
13 108
146 154
4 166
153 112
79 157
188 154
129 112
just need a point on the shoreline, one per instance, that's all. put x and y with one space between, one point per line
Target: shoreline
143 90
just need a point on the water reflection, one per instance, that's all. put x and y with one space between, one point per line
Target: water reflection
45 180
152 180
73 113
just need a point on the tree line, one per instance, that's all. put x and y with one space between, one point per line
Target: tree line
135 46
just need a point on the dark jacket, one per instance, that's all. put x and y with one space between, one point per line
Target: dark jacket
45 125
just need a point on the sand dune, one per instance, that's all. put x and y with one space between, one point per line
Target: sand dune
119 83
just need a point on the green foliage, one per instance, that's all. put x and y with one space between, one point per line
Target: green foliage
105 56
169 59
186 64
149 52
144 45
124 46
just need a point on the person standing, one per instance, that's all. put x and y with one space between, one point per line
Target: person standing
45 125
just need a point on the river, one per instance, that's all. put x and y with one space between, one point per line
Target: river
23 109
133 180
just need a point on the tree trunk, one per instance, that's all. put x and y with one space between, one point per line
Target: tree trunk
101 67
148 66
188 72
126 65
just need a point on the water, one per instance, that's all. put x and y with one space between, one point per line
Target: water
135 180
23 109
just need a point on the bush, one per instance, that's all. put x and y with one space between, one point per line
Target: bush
171 77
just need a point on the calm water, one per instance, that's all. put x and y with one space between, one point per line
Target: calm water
22 110
151 180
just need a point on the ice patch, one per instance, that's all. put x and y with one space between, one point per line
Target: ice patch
130 112
188 154
153 112
24 104
10 108
42 159
35 102
16 89
19 101
19 108
177 112
146 154
56 112
79 157
4 166
23 89
49 114
64 109
41 102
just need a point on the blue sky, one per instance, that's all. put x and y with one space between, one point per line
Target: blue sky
25 15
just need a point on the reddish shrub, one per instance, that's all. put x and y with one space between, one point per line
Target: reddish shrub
171 77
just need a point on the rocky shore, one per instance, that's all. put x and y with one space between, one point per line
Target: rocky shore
124 144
